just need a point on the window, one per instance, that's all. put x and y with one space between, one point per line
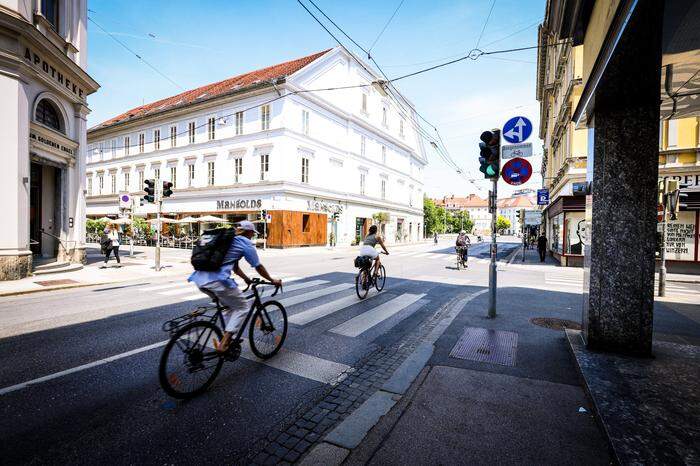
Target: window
49 10
101 150
173 136
363 179
264 165
672 133
100 183
142 142
127 181
364 103
156 174
114 148
363 145
156 139
304 170
127 143
237 169
190 175
305 122
401 133
211 128
239 123
48 115
383 189
89 186
190 131
141 175
173 176
265 117
384 155
210 173
306 223
384 116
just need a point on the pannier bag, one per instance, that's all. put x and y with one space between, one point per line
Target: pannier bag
362 261
210 249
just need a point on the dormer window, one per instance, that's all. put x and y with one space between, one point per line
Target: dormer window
49 10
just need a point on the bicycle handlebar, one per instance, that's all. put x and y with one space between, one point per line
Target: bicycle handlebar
255 282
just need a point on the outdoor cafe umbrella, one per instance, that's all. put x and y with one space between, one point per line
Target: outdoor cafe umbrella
105 219
210 219
189 219
122 221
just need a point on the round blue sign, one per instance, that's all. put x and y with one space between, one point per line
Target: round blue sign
516 171
517 129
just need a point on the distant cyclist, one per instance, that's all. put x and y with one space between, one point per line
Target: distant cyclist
368 247
462 245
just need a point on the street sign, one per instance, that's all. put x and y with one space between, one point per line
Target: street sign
542 196
516 171
510 151
533 217
124 201
517 129
268 218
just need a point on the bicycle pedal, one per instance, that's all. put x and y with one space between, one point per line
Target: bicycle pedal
233 352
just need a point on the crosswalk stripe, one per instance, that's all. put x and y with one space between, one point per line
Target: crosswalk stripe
187 288
194 297
425 254
301 286
366 320
292 300
296 286
162 287
324 309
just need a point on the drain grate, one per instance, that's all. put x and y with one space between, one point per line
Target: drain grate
555 324
486 345
64 281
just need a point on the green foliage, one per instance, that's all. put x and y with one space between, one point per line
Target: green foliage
95 226
433 216
140 225
460 221
381 217
502 223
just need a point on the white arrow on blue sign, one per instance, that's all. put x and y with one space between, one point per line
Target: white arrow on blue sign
517 129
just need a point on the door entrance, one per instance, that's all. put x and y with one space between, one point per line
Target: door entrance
35 208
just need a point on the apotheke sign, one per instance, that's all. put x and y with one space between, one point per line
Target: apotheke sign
41 64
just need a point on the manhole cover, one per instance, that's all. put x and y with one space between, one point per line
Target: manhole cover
486 345
555 324
64 281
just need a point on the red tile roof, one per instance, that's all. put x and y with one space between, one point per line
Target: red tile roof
523 202
216 89
462 202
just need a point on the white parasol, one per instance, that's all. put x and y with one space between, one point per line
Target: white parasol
122 221
188 220
210 219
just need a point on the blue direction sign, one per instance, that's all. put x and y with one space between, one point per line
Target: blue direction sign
517 129
542 196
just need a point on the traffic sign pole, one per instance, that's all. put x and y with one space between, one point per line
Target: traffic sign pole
662 266
492 265
159 204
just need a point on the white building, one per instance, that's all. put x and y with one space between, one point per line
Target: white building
263 141
510 208
475 206
43 91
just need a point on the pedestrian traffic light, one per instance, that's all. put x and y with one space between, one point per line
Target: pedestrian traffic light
490 153
150 189
674 196
167 188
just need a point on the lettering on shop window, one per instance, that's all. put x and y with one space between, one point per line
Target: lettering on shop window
239 204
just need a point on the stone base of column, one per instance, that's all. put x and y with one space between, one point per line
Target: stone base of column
15 267
74 256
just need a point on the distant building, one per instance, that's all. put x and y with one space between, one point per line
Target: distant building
510 207
477 207
324 165
43 89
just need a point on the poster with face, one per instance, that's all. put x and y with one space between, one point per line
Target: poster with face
575 232
680 237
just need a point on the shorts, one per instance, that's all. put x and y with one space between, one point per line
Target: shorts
233 299
369 251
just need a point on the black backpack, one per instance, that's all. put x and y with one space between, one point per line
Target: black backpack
105 243
210 249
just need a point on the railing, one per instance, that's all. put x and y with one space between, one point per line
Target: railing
68 251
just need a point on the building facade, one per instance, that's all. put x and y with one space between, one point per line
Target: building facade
475 206
510 207
43 89
323 164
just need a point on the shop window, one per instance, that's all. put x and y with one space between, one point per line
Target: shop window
48 115
239 123
49 10
306 223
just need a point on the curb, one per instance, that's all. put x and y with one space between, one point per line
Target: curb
52 288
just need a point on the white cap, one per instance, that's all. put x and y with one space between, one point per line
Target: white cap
245 225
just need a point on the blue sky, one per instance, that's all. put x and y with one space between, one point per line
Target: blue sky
195 43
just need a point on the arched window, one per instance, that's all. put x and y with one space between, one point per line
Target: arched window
47 114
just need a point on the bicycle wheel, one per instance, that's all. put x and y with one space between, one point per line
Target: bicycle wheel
362 283
268 330
189 363
380 280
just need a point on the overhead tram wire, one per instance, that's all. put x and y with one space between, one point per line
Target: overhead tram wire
384 28
483 29
134 53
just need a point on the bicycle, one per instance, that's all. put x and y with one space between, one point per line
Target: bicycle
191 346
462 255
365 279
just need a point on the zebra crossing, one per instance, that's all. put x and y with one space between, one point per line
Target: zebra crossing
675 289
560 280
443 256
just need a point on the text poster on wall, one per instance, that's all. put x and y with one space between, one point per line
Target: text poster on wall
680 237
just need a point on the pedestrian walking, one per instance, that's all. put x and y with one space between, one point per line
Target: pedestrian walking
110 243
435 236
542 246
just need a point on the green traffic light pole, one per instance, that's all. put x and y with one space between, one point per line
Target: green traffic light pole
492 265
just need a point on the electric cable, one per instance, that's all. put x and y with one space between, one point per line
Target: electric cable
483 29
384 28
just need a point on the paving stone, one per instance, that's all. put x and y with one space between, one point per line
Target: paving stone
292 456
260 458
312 437
272 459
281 438
291 442
302 446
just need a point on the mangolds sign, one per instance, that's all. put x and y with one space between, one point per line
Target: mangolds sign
239 204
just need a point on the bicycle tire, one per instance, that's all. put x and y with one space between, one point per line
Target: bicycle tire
360 282
170 381
259 318
381 276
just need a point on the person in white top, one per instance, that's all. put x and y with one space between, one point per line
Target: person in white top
112 233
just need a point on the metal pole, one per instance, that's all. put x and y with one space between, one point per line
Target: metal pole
662 268
522 229
265 232
159 204
492 266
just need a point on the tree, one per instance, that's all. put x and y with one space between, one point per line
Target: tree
460 220
502 223
433 217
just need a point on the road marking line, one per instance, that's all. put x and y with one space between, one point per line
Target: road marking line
301 286
291 301
73 370
187 288
424 254
162 287
194 297
366 320
325 309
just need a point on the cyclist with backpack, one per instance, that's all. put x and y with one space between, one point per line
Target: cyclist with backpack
214 256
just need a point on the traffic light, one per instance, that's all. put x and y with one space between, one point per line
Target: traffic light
167 189
521 216
674 196
490 153
150 189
